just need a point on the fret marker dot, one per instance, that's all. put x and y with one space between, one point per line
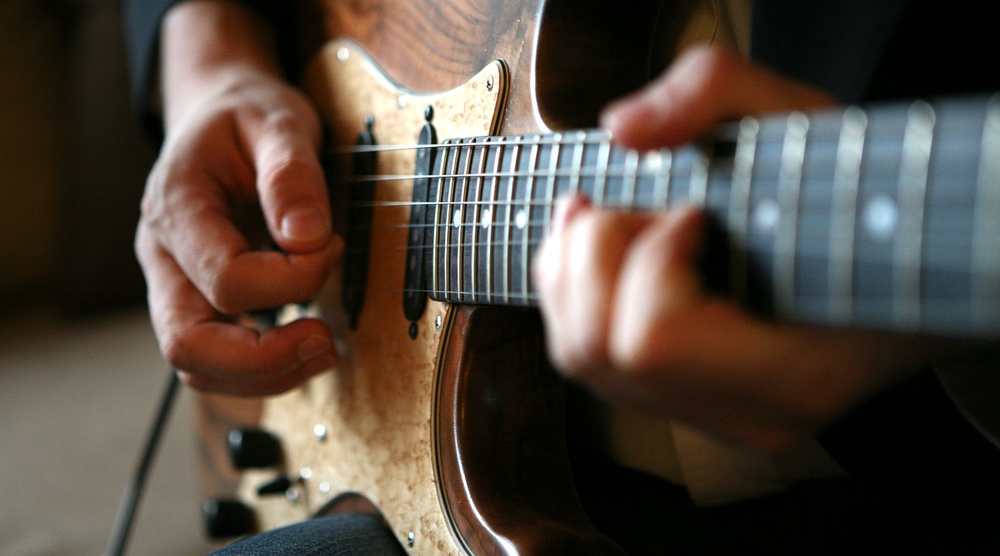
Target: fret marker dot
458 218
881 217
487 218
765 215
521 220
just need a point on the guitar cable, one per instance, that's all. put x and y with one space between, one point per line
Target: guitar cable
128 507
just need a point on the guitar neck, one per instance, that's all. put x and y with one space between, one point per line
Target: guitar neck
887 218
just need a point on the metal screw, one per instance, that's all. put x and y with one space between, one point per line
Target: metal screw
489 83
324 487
305 474
292 495
410 538
438 321
319 431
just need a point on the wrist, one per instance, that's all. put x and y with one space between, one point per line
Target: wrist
209 46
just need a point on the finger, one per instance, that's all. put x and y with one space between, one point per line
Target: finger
566 209
658 290
195 338
581 270
290 180
262 387
704 87
547 261
191 217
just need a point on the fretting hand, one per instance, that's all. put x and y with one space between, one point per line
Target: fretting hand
626 313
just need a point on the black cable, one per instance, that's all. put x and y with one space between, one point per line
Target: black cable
133 492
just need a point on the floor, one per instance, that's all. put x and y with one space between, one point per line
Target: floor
76 400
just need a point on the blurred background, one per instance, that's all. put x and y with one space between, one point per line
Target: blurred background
80 374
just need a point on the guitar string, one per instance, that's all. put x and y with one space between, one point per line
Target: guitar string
947 259
592 138
613 172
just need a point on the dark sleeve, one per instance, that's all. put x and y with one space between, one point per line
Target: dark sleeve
142 34
142 39
834 45
866 50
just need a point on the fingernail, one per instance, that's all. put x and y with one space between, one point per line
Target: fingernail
610 118
313 347
620 117
305 223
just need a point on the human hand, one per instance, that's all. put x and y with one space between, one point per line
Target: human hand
237 135
626 313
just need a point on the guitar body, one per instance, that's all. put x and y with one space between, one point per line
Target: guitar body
449 426
444 419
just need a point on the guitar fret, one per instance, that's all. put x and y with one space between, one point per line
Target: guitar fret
986 230
698 183
789 187
450 267
908 253
579 145
844 213
631 171
550 194
601 174
661 181
490 222
461 227
739 205
515 154
438 230
477 218
526 234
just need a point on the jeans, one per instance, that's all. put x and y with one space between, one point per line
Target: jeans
341 535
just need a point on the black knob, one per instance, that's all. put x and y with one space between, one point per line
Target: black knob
226 518
277 485
253 449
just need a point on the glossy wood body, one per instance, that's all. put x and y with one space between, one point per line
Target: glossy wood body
567 57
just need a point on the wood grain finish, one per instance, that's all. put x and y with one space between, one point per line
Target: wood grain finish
568 57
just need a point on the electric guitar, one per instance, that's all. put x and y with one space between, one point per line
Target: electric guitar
449 129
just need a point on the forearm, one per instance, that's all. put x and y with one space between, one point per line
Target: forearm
207 45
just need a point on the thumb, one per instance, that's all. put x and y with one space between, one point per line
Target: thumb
291 186
703 88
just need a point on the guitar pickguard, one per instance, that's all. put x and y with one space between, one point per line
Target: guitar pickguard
367 426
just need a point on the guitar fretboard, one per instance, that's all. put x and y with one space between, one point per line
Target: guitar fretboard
886 218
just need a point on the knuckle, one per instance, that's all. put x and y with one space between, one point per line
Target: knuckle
710 69
647 342
176 349
291 167
580 359
545 272
313 282
222 291
715 61
641 353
